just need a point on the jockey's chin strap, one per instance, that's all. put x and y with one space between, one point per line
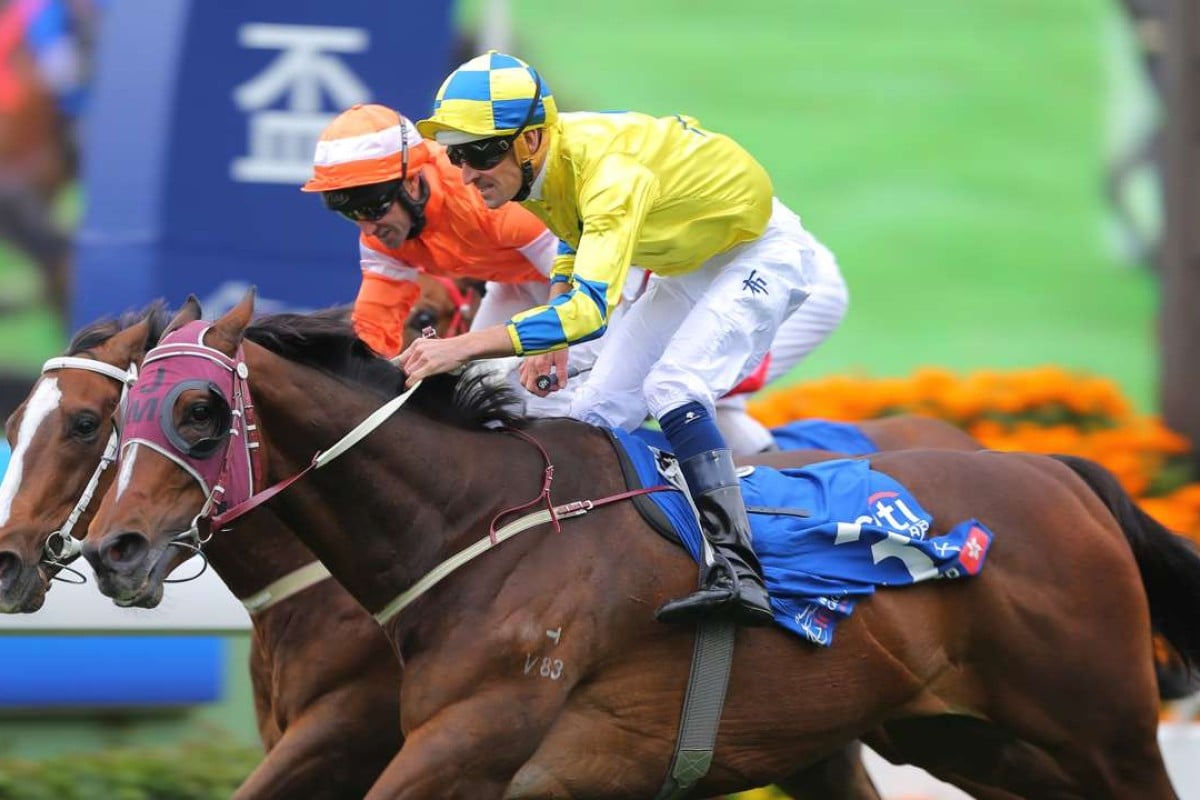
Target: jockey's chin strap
61 548
551 513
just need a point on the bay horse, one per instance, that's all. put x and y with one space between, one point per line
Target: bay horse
448 305
323 675
908 431
1032 679
328 722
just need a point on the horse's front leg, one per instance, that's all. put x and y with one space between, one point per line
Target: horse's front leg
334 750
470 749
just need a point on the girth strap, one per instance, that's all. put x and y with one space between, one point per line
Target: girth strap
712 658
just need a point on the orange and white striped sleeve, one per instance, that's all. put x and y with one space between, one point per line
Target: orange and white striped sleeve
386 297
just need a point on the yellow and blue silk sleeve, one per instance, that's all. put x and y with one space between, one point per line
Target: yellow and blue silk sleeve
613 204
564 263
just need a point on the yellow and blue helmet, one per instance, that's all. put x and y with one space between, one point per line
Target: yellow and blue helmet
491 95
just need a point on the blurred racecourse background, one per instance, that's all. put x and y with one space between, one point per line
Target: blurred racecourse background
953 155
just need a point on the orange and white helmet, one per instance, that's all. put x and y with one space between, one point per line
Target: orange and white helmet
366 144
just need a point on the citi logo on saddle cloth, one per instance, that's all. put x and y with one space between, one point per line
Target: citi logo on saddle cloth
860 529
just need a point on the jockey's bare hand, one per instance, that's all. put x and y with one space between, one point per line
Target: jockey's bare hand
543 365
425 357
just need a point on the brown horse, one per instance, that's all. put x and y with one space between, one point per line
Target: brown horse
323 674
310 707
1033 679
906 431
64 427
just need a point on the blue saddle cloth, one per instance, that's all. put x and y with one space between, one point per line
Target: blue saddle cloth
803 434
863 529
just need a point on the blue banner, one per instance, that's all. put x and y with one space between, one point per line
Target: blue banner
201 130
109 671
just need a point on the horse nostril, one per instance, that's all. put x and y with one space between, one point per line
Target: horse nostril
10 565
124 549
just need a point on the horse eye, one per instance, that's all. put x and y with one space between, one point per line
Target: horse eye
421 319
84 425
200 412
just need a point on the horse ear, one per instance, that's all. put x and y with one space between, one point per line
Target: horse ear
188 312
126 347
228 330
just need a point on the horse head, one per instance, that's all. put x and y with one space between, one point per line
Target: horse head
448 305
164 419
66 426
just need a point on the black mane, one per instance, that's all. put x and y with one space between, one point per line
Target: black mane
325 340
100 331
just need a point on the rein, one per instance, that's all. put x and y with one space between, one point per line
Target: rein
321 459
551 513
239 468
61 548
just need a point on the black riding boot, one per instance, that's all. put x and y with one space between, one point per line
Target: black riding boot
733 583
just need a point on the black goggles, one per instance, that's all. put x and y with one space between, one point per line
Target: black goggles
363 204
486 154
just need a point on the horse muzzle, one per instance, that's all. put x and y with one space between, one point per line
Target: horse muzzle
22 584
124 563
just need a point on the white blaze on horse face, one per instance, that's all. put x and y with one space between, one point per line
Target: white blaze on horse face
126 472
42 403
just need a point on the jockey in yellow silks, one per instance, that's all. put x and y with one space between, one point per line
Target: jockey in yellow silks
729 264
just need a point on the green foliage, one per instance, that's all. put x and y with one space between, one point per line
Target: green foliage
1175 473
191 771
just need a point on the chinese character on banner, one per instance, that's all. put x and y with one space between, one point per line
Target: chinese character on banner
281 140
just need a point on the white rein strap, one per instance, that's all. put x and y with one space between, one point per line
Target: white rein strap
321 459
363 429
